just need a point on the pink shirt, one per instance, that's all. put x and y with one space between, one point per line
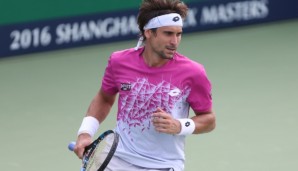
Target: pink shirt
175 87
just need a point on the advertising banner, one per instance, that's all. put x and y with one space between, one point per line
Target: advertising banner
68 32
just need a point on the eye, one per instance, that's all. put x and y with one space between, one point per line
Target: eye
168 33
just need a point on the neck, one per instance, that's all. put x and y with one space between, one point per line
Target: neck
153 59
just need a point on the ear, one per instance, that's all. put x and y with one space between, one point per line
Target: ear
147 33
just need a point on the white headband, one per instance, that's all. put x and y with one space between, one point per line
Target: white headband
172 19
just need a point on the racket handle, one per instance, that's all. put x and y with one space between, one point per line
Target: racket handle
71 145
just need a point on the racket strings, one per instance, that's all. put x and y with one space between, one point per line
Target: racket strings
100 153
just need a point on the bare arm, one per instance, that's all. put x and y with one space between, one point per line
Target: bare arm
205 122
99 108
101 105
164 122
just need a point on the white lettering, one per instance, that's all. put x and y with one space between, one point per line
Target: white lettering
63 33
234 11
24 39
106 28
190 20
75 35
209 15
94 29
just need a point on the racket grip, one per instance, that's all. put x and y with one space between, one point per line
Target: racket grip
71 145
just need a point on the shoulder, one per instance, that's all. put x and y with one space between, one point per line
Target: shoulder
189 64
124 54
123 57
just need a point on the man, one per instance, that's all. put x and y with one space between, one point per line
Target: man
156 87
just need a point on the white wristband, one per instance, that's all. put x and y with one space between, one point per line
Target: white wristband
89 125
187 126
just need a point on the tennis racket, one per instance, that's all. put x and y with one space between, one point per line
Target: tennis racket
99 153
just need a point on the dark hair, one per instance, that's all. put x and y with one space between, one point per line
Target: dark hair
153 8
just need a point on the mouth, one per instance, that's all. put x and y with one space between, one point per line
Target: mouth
172 49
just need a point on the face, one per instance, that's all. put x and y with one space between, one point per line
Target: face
164 41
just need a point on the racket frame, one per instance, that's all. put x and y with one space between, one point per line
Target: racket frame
88 153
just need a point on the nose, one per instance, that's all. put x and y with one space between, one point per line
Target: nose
174 40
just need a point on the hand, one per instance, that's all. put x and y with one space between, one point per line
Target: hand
82 142
165 123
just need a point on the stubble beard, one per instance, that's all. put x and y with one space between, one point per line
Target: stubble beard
163 55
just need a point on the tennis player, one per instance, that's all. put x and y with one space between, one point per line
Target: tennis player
157 86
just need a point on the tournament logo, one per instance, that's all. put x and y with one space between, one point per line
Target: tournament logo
125 86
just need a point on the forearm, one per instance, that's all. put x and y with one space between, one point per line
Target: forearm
164 122
100 106
205 122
